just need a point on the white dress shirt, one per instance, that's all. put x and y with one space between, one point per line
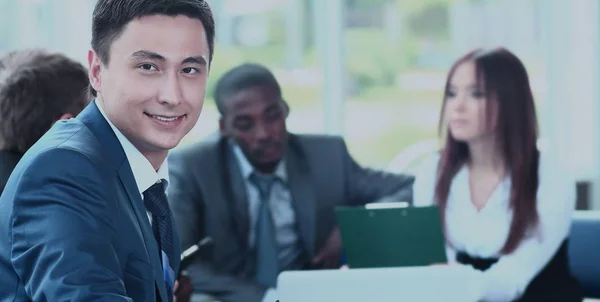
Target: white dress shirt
483 233
144 174
282 211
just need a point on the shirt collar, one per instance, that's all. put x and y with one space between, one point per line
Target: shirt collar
462 188
143 172
246 167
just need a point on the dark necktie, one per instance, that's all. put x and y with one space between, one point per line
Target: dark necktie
265 243
155 201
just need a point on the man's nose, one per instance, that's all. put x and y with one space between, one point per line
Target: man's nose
170 93
261 132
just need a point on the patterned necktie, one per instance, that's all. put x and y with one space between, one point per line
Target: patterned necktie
155 201
266 245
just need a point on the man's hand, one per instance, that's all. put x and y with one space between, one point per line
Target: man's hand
329 255
183 289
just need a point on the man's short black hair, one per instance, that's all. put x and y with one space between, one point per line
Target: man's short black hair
242 77
36 89
111 16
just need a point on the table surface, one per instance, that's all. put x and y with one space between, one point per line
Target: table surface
207 298
431 283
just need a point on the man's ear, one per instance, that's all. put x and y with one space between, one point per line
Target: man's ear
286 108
65 116
222 128
94 70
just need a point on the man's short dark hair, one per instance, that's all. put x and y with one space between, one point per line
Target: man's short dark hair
111 16
242 77
36 89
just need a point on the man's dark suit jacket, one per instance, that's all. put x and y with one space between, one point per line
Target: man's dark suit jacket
208 198
8 161
73 226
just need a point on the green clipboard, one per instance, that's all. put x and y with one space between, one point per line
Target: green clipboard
391 237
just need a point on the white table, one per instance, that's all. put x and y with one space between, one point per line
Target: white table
432 283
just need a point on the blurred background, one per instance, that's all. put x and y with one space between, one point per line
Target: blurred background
374 70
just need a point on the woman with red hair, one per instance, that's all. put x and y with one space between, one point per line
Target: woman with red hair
506 208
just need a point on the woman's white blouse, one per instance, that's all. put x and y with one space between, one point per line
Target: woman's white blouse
483 233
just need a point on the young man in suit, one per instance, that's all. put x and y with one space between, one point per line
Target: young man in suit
84 214
57 88
265 196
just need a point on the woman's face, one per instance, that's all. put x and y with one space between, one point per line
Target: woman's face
465 106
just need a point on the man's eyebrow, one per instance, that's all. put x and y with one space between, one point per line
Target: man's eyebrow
147 55
200 60
241 117
272 107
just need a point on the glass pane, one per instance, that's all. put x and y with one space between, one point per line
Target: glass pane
398 54
272 33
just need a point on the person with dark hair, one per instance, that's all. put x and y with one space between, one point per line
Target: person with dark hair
84 214
241 78
37 88
265 196
506 207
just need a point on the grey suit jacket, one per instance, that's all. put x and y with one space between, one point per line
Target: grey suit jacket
208 198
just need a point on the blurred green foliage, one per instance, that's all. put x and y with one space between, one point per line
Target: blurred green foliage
270 56
374 62
371 58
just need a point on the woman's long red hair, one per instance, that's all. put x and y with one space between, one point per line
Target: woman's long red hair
505 80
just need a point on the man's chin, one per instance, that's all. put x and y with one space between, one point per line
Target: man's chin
270 158
164 145
266 164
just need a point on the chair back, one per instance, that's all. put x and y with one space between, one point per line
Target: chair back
584 251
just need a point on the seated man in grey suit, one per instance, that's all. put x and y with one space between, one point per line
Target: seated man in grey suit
265 196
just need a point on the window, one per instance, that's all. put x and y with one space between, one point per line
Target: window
374 70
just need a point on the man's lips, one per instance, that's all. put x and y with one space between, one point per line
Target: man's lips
165 118
269 151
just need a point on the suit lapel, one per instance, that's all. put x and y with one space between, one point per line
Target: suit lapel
137 204
299 183
94 120
235 191
303 193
